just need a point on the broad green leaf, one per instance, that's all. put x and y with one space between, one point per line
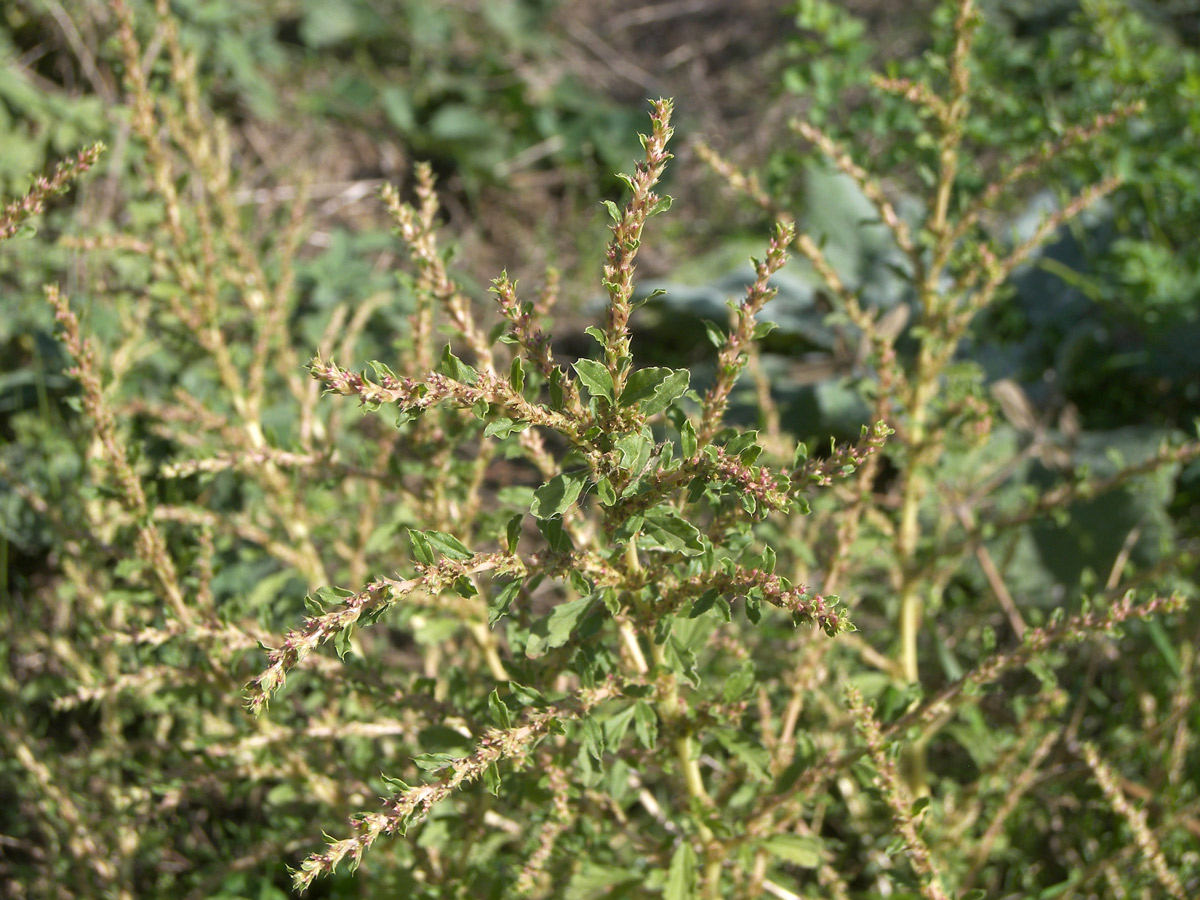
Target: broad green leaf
635 450
654 389
595 378
555 496
554 629
665 529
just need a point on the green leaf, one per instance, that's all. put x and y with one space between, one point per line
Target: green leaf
491 779
739 683
503 427
753 756
681 876
341 641
555 496
716 336
665 529
395 785
593 738
613 210
595 378
500 714
512 533
604 490
453 367
596 333
555 629
422 552
663 204
616 727
555 387
687 440
645 724
654 389
498 607
434 762
556 536
516 375
447 545
762 329
635 450
796 849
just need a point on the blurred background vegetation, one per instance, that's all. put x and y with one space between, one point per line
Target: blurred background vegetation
525 108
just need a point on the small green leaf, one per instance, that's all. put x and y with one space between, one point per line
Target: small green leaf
753 756
665 529
395 785
702 604
681 876
762 329
503 427
739 683
513 532
555 386
616 727
799 850
654 389
556 536
453 367
434 762
613 210
555 496
593 738
499 604
499 712
491 779
645 724
447 545
555 629
595 378
596 333
516 375
604 490
420 547
663 204
687 440
635 450
381 370
716 336
341 641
